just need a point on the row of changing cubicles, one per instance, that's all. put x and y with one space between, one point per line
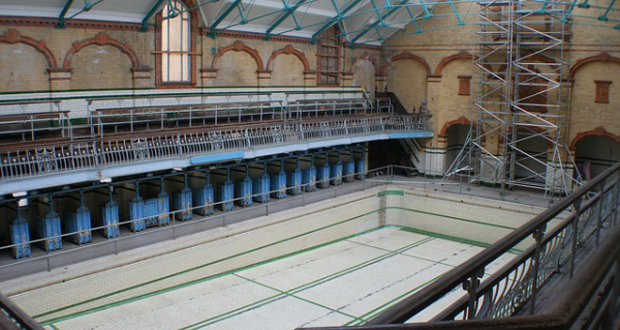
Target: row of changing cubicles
140 212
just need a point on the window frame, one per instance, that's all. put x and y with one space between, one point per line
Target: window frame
191 52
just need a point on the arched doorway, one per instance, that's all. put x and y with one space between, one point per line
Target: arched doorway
594 154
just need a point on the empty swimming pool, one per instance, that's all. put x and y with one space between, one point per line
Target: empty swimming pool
334 263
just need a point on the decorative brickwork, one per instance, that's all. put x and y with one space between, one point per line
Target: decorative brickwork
603 57
365 56
73 23
446 60
102 39
12 36
464 85
406 56
443 133
602 91
599 131
288 50
253 35
239 46
444 130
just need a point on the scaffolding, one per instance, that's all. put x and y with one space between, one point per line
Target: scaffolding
519 115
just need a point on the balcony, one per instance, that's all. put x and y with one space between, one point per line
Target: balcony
117 141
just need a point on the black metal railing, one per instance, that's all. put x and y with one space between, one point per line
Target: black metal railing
14 318
558 244
591 295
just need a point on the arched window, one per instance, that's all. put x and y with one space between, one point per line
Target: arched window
175 43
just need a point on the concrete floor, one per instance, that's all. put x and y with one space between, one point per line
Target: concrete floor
344 282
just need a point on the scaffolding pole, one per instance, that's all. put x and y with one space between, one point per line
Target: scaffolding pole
518 135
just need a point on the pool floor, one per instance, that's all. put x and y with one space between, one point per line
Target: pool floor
344 282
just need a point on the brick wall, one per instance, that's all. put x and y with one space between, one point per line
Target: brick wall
101 67
22 68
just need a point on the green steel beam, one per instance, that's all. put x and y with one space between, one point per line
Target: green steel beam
413 19
569 11
336 19
456 12
297 26
288 11
604 16
243 19
61 18
150 14
374 6
377 22
222 17
584 5
425 6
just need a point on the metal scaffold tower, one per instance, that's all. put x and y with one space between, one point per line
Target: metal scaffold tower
519 116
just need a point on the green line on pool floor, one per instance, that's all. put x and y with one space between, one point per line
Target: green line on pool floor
300 298
325 278
266 246
159 291
369 315
199 267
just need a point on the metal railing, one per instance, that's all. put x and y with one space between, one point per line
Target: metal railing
107 121
384 104
166 112
75 156
174 225
35 126
490 303
14 318
317 108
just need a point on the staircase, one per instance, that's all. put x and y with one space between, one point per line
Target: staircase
414 153
390 98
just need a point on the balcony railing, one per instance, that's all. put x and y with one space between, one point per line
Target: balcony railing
589 236
14 318
590 233
76 156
